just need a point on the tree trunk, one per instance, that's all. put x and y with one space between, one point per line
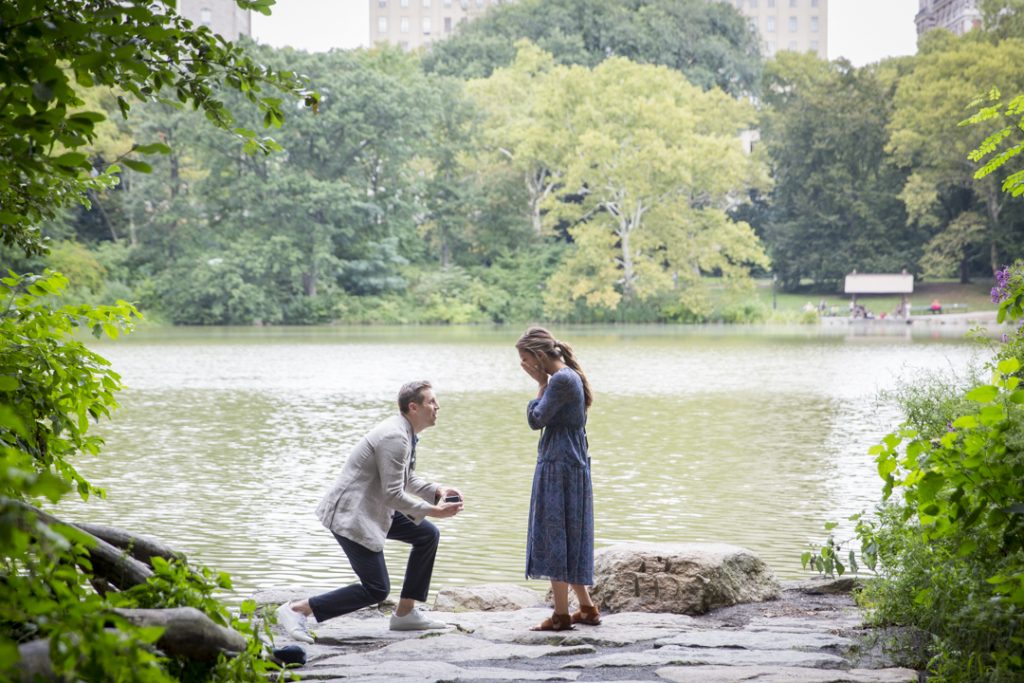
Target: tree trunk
187 633
108 562
142 548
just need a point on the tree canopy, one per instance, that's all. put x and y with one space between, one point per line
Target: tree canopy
710 42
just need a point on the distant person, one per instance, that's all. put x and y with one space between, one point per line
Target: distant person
809 307
378 495
936 307
560 539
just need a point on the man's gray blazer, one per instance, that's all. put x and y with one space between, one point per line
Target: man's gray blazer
375 481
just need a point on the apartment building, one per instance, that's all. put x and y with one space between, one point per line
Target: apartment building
958 16
221 16
416 23
798 25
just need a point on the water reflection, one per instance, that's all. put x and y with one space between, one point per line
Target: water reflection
228 437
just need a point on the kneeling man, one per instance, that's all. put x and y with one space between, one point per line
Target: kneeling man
378 495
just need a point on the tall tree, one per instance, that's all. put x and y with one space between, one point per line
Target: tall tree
835 205
647 165
710 42
948 74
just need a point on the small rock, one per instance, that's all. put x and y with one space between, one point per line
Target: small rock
489 597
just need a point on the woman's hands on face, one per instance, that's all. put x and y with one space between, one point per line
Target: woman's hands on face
531 366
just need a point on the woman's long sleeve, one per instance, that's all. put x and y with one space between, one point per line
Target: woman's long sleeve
540 410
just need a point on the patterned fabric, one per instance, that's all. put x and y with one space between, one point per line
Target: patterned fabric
560 540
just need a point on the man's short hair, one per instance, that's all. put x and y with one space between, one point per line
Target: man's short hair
412 392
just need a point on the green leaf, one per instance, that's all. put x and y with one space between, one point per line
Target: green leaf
136 165
983 394
965 422
1017 396
8 383
71 160
154 148
1009 366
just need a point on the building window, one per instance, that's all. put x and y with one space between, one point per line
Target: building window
447 3
814 3
814 24
403 25
753 4
382 24
814 45
770 45
771 4
404 44
447 24
382 3
404 3
770 24
792 45
792 3
792 24
205 17
479 3
426 3
426 26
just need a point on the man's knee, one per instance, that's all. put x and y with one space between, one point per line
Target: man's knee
377 591
429 535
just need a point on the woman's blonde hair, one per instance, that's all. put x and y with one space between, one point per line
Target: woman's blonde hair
539 342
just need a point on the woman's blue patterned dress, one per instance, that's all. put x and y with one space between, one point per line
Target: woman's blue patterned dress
560 541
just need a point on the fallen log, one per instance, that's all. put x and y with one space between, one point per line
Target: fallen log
187 633
108 562
34 662
142 548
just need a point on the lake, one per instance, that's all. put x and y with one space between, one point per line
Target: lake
228 437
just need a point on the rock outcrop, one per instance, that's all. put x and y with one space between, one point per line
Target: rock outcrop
679 578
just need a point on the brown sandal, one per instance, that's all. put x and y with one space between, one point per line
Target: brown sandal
556 622
587 614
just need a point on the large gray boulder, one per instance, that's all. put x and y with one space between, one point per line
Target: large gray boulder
488 597
681 578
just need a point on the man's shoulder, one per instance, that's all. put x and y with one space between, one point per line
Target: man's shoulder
394 427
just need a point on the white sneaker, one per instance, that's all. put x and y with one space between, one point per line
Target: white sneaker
414 621
294 623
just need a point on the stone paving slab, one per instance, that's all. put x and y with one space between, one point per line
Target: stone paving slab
454 648
799 639
702 655
756 674
757 640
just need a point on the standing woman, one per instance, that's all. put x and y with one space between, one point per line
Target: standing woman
560 541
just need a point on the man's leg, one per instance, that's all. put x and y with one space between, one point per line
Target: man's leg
373 586
424 538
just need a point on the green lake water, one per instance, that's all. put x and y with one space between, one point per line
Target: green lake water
227 438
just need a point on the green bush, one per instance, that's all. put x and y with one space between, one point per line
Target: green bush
52 388
951 546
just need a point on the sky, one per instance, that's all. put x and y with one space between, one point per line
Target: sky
862 31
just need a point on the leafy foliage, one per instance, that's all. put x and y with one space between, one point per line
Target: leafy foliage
709 42
835 205
55 50
952 545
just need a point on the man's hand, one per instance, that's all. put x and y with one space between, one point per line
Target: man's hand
447 492
445 510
